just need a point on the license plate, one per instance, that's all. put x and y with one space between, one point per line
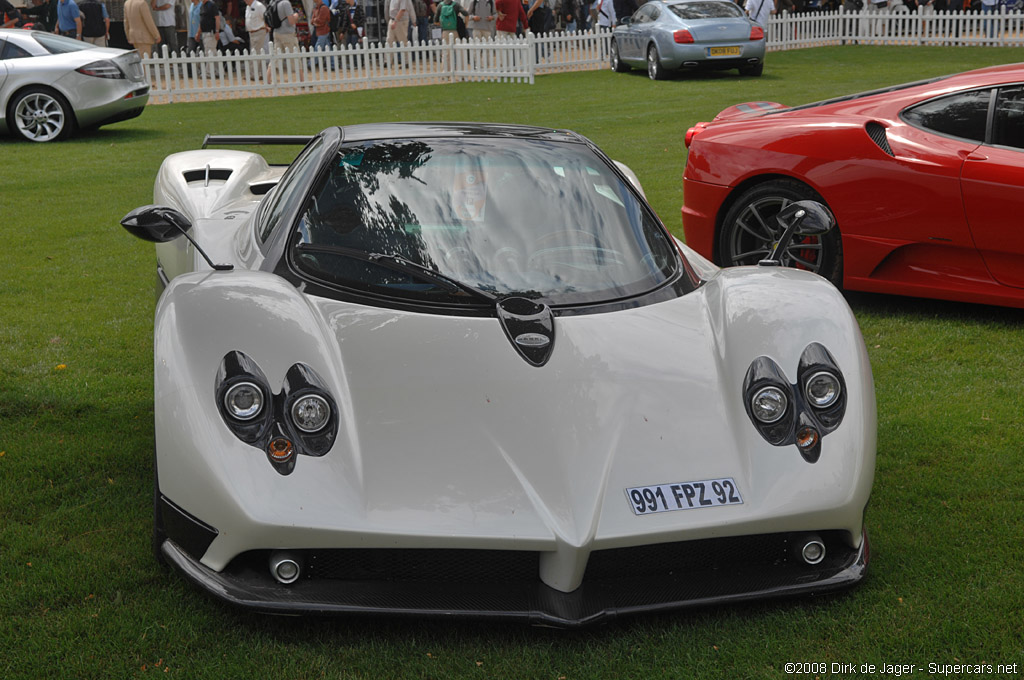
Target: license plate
707 493
733 51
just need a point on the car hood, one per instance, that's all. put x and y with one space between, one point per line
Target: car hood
449 438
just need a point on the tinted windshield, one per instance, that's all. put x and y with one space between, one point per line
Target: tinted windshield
530 217
706 10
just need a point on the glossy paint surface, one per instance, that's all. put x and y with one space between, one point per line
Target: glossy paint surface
447 438
636 38
933 219
93 99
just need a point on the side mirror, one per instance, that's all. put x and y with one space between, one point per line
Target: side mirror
800 218
160 224
156 223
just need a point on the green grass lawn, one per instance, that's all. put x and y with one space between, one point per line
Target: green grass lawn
82 597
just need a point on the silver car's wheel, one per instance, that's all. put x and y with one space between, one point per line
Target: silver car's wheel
654 69
617 65
41 115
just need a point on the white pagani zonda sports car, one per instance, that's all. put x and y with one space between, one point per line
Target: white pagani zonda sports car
464 369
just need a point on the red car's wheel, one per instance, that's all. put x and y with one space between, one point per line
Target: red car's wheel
750 230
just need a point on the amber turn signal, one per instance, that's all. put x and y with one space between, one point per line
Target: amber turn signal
280 450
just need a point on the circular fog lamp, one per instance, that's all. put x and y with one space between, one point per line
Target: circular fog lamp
310 413
769 404
813 552
822 389
243 401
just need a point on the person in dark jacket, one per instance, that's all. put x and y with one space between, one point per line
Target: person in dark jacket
95 22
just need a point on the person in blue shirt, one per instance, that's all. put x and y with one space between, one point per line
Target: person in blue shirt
193 25
69 19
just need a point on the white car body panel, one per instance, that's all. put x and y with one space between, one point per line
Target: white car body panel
448 439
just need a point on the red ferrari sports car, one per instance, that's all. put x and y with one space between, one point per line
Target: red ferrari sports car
926 182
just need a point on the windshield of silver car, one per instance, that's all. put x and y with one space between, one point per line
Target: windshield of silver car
457 220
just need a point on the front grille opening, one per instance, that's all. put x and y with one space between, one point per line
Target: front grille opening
876 131
425 565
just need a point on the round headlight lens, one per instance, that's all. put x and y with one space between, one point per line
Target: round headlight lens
769 404
310 413
243 401
822 389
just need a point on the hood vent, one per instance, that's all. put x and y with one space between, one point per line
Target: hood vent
876 131
206 175
529 326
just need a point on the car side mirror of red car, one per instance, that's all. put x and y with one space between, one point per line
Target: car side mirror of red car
800 218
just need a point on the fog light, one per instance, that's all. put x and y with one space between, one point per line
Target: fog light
807 438
285 567
813 551
310 413
769 404
280 450
243 401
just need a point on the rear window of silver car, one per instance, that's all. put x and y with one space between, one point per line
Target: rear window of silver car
706 10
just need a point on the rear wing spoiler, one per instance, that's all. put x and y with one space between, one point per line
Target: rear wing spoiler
239 140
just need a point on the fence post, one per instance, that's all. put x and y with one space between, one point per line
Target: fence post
531 55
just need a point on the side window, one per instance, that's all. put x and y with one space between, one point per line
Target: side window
961 115
296 178
9 50
655 13
1008 123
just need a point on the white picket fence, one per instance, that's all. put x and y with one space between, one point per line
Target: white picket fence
196 77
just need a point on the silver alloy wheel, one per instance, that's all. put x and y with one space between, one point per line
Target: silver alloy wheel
756 231
615 56
653 64
40 116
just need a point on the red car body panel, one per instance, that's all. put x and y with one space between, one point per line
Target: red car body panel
939 217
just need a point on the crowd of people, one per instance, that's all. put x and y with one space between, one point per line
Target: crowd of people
233 25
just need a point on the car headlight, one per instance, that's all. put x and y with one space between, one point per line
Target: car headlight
769 404
822 389
311 413
243 401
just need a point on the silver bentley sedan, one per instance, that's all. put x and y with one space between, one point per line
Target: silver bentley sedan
51 85
688 35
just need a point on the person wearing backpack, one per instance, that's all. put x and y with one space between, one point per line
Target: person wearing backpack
446 16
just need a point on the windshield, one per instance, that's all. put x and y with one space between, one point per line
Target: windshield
706 10
537 218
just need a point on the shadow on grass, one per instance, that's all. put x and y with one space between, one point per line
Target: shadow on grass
925 308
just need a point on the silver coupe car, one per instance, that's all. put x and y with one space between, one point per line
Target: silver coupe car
688 35
51 85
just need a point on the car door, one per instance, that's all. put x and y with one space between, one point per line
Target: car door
993 189
633 51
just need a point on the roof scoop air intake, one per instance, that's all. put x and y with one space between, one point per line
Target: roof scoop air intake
529 326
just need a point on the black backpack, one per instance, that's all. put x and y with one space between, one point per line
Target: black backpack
335 20
271 17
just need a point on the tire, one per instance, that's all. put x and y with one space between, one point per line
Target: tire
749 230
755 70
39 114
617 64
654 69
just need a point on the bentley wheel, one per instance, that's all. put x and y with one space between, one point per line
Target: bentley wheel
654 69
750 230
41 115
617 64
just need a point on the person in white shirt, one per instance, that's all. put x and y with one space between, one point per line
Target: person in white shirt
163 15
759 11
259 34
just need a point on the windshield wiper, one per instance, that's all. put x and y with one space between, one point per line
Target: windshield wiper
406 266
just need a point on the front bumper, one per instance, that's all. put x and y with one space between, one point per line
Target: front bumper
456 582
